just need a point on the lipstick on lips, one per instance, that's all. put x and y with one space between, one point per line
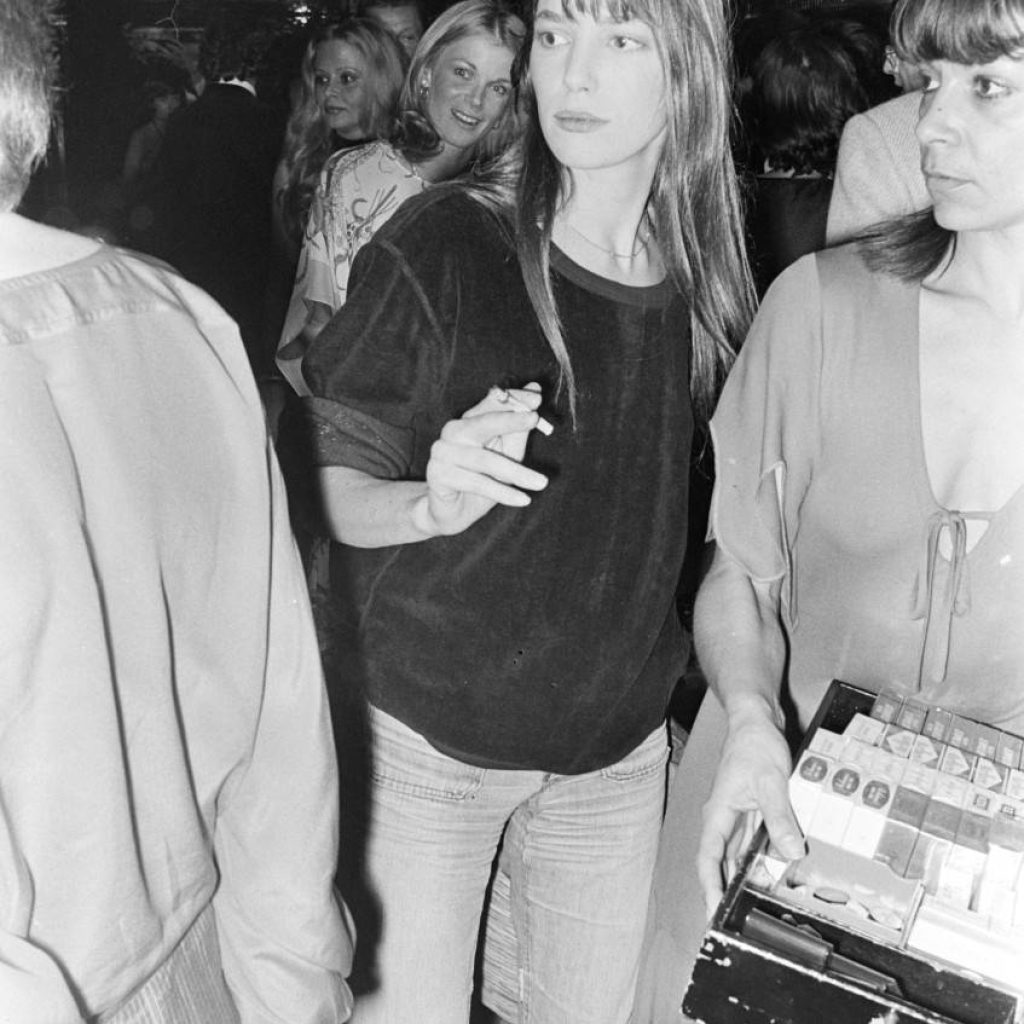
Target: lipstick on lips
578 121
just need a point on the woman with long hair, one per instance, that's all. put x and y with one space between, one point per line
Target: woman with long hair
351 75
454 110
502 413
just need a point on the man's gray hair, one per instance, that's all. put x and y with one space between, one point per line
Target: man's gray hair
27 73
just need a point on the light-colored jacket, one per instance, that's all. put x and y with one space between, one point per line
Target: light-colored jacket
878 170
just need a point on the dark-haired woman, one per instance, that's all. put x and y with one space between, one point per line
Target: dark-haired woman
508 590
869 510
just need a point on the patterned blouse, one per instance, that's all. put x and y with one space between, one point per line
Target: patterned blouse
359 190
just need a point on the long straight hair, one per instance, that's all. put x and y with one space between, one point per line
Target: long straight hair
694 206
965 32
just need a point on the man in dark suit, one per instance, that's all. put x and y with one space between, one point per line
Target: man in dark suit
220 153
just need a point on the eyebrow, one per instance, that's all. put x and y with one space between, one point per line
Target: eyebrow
466 60
556 17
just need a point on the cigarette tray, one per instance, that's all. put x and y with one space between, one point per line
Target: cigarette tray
905 906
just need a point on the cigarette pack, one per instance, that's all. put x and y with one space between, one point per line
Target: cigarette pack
909 903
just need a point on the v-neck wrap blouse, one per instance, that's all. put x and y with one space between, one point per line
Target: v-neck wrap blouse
822 485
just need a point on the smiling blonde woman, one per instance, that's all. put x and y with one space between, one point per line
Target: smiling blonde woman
455 108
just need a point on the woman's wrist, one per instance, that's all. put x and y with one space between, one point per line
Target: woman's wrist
422 518
753 708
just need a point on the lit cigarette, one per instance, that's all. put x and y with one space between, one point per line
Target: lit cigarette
542 424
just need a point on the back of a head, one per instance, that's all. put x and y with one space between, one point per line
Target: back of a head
27 73
233 52
805 87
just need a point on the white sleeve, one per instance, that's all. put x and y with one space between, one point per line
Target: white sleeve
285 946
32 987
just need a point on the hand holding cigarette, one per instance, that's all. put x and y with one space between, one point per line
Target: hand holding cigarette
477 462
505 396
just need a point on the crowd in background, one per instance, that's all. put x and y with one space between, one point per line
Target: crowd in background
802 70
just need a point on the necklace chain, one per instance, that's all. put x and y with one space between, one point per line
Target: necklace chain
638 248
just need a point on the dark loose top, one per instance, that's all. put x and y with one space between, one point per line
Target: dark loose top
539 638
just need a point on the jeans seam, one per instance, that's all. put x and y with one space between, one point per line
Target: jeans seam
523 940
397 785
637 773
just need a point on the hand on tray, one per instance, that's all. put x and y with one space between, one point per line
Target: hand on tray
752 783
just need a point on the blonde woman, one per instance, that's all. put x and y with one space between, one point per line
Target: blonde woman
350 80
454 109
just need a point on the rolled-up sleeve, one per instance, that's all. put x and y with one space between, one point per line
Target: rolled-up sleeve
378 370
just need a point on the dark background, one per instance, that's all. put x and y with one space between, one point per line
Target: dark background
110 47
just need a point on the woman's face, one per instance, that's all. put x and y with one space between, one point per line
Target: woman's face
341 87
600 88
468 89
972 143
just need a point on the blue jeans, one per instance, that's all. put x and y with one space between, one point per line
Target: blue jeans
579 853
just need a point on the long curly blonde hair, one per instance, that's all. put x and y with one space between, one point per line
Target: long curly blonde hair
308 140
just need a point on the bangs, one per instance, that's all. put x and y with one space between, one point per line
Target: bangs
962 31
617 10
